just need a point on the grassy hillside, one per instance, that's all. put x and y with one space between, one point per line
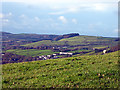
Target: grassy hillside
78 40
45 42
92 71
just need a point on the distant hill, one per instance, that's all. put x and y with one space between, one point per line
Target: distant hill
35 37
29 37
66 36
71 40
78 41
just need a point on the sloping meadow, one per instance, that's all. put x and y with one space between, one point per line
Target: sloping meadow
77 40
93 71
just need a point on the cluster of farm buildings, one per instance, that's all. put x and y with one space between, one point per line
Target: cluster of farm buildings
55 56
66 54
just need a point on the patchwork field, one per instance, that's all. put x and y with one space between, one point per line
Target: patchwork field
31 52
93 71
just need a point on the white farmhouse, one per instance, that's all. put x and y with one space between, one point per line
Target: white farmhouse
104 51
65 53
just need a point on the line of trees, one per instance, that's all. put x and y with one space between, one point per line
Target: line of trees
14 58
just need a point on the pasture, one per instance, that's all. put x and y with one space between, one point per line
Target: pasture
93 71
31 52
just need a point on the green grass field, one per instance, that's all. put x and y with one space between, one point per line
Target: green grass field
31 52
94 71
79 51
78 40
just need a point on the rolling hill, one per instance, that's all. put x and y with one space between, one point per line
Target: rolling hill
34 37
94 71
28 37
78 40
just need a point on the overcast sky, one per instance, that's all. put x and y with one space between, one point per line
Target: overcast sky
86 17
